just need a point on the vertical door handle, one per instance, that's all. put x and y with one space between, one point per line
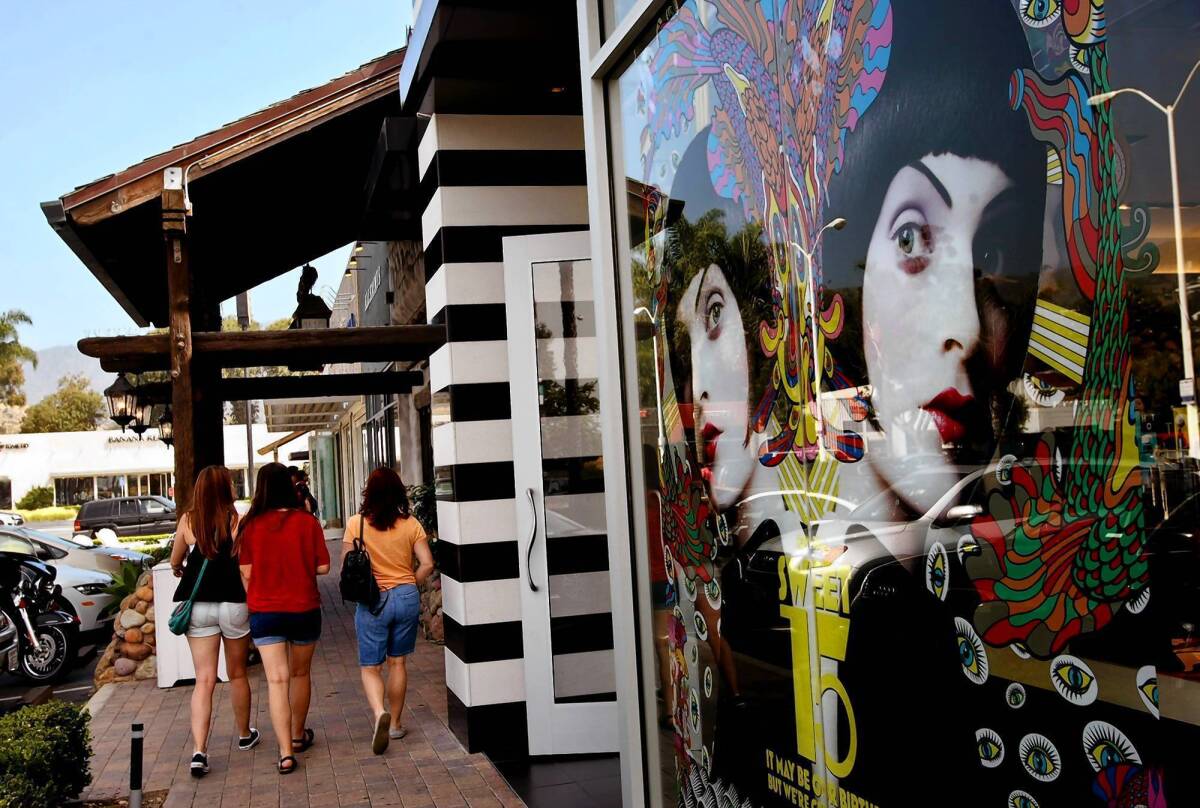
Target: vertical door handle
532 537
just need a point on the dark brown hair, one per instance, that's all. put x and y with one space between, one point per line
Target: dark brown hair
210 518
385 499
273 490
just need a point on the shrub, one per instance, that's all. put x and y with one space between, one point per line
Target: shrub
44 752
125 581
53 514
423 504
40 496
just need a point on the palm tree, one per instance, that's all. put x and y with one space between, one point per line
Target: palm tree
12 354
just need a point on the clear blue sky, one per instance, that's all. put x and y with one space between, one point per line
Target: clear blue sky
90 88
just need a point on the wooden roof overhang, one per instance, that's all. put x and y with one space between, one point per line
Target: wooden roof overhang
268 192
297 347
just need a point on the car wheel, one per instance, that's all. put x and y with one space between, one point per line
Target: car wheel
51 660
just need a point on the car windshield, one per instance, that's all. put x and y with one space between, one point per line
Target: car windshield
170 503
48 538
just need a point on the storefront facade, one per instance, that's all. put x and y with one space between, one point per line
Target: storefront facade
891 364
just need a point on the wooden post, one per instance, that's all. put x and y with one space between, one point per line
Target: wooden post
174 219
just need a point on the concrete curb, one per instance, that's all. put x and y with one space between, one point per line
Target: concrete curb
96 703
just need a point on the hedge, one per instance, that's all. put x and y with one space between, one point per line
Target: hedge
61 513
44 755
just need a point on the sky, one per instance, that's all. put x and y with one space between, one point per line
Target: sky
91 88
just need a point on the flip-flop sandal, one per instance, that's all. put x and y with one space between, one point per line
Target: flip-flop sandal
397 734
304 743
379 743
289 769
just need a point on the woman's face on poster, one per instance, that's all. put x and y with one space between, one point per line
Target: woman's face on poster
720 384
935 333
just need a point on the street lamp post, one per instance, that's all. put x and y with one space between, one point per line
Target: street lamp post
1193 415
835 224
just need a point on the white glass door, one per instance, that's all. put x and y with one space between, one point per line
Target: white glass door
566 606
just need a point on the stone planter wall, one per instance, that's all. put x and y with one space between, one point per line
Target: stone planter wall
130 655
431 608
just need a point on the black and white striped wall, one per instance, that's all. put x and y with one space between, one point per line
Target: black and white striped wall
485 177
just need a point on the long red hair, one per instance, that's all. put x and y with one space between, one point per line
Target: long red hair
212 514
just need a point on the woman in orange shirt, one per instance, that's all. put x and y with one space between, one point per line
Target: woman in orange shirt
392 537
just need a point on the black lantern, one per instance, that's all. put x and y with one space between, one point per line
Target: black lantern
122 401
166 428
143 414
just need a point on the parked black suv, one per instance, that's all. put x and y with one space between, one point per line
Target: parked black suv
127 516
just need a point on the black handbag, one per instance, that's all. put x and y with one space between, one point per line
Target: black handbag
358 583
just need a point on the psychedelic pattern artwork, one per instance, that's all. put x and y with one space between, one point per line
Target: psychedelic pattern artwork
1006 593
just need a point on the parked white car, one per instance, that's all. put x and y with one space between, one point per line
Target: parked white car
11 518
81 553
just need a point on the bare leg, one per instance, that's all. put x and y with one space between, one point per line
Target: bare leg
239 685
300 691
372 679
204 658
275 661
397 687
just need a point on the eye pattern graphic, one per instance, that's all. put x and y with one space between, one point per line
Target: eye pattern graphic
1105 746
1021 799
990 748
1074 680
966 547
1014 696
1078 60
1040 393
694 710
937 571
693 650
1004 467
1137 604
1147 687
712 592
708 683
1040 758
689 586
1020 650
971 653
701 625
1040 13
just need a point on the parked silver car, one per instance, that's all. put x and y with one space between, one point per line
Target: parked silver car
51 548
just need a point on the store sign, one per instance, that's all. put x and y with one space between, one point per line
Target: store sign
124 440
13 446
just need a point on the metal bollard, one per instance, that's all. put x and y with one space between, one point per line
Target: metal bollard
135 766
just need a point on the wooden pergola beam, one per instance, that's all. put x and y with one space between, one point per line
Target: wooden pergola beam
239 349
272 388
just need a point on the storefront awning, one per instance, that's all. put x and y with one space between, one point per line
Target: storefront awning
307 413
269 192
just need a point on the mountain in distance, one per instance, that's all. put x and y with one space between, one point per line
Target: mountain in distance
53 364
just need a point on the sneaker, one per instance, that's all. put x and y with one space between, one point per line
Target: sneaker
199 764
250 741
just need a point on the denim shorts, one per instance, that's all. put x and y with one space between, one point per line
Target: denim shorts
230 620
391 632
298 628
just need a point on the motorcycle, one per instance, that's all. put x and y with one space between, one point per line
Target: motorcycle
46 635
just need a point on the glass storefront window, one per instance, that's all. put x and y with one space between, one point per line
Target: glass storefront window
908 370
74 490
5 493
110 486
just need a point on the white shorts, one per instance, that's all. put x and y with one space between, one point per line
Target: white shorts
230 620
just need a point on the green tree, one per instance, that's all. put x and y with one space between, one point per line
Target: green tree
74 407
12 354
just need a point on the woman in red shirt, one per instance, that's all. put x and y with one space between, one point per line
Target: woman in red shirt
281 551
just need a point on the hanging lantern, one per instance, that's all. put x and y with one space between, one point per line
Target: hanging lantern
122 401
166 428
143 415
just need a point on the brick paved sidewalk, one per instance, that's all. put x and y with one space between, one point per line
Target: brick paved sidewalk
427 768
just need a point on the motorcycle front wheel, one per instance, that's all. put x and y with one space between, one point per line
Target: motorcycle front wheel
51 660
